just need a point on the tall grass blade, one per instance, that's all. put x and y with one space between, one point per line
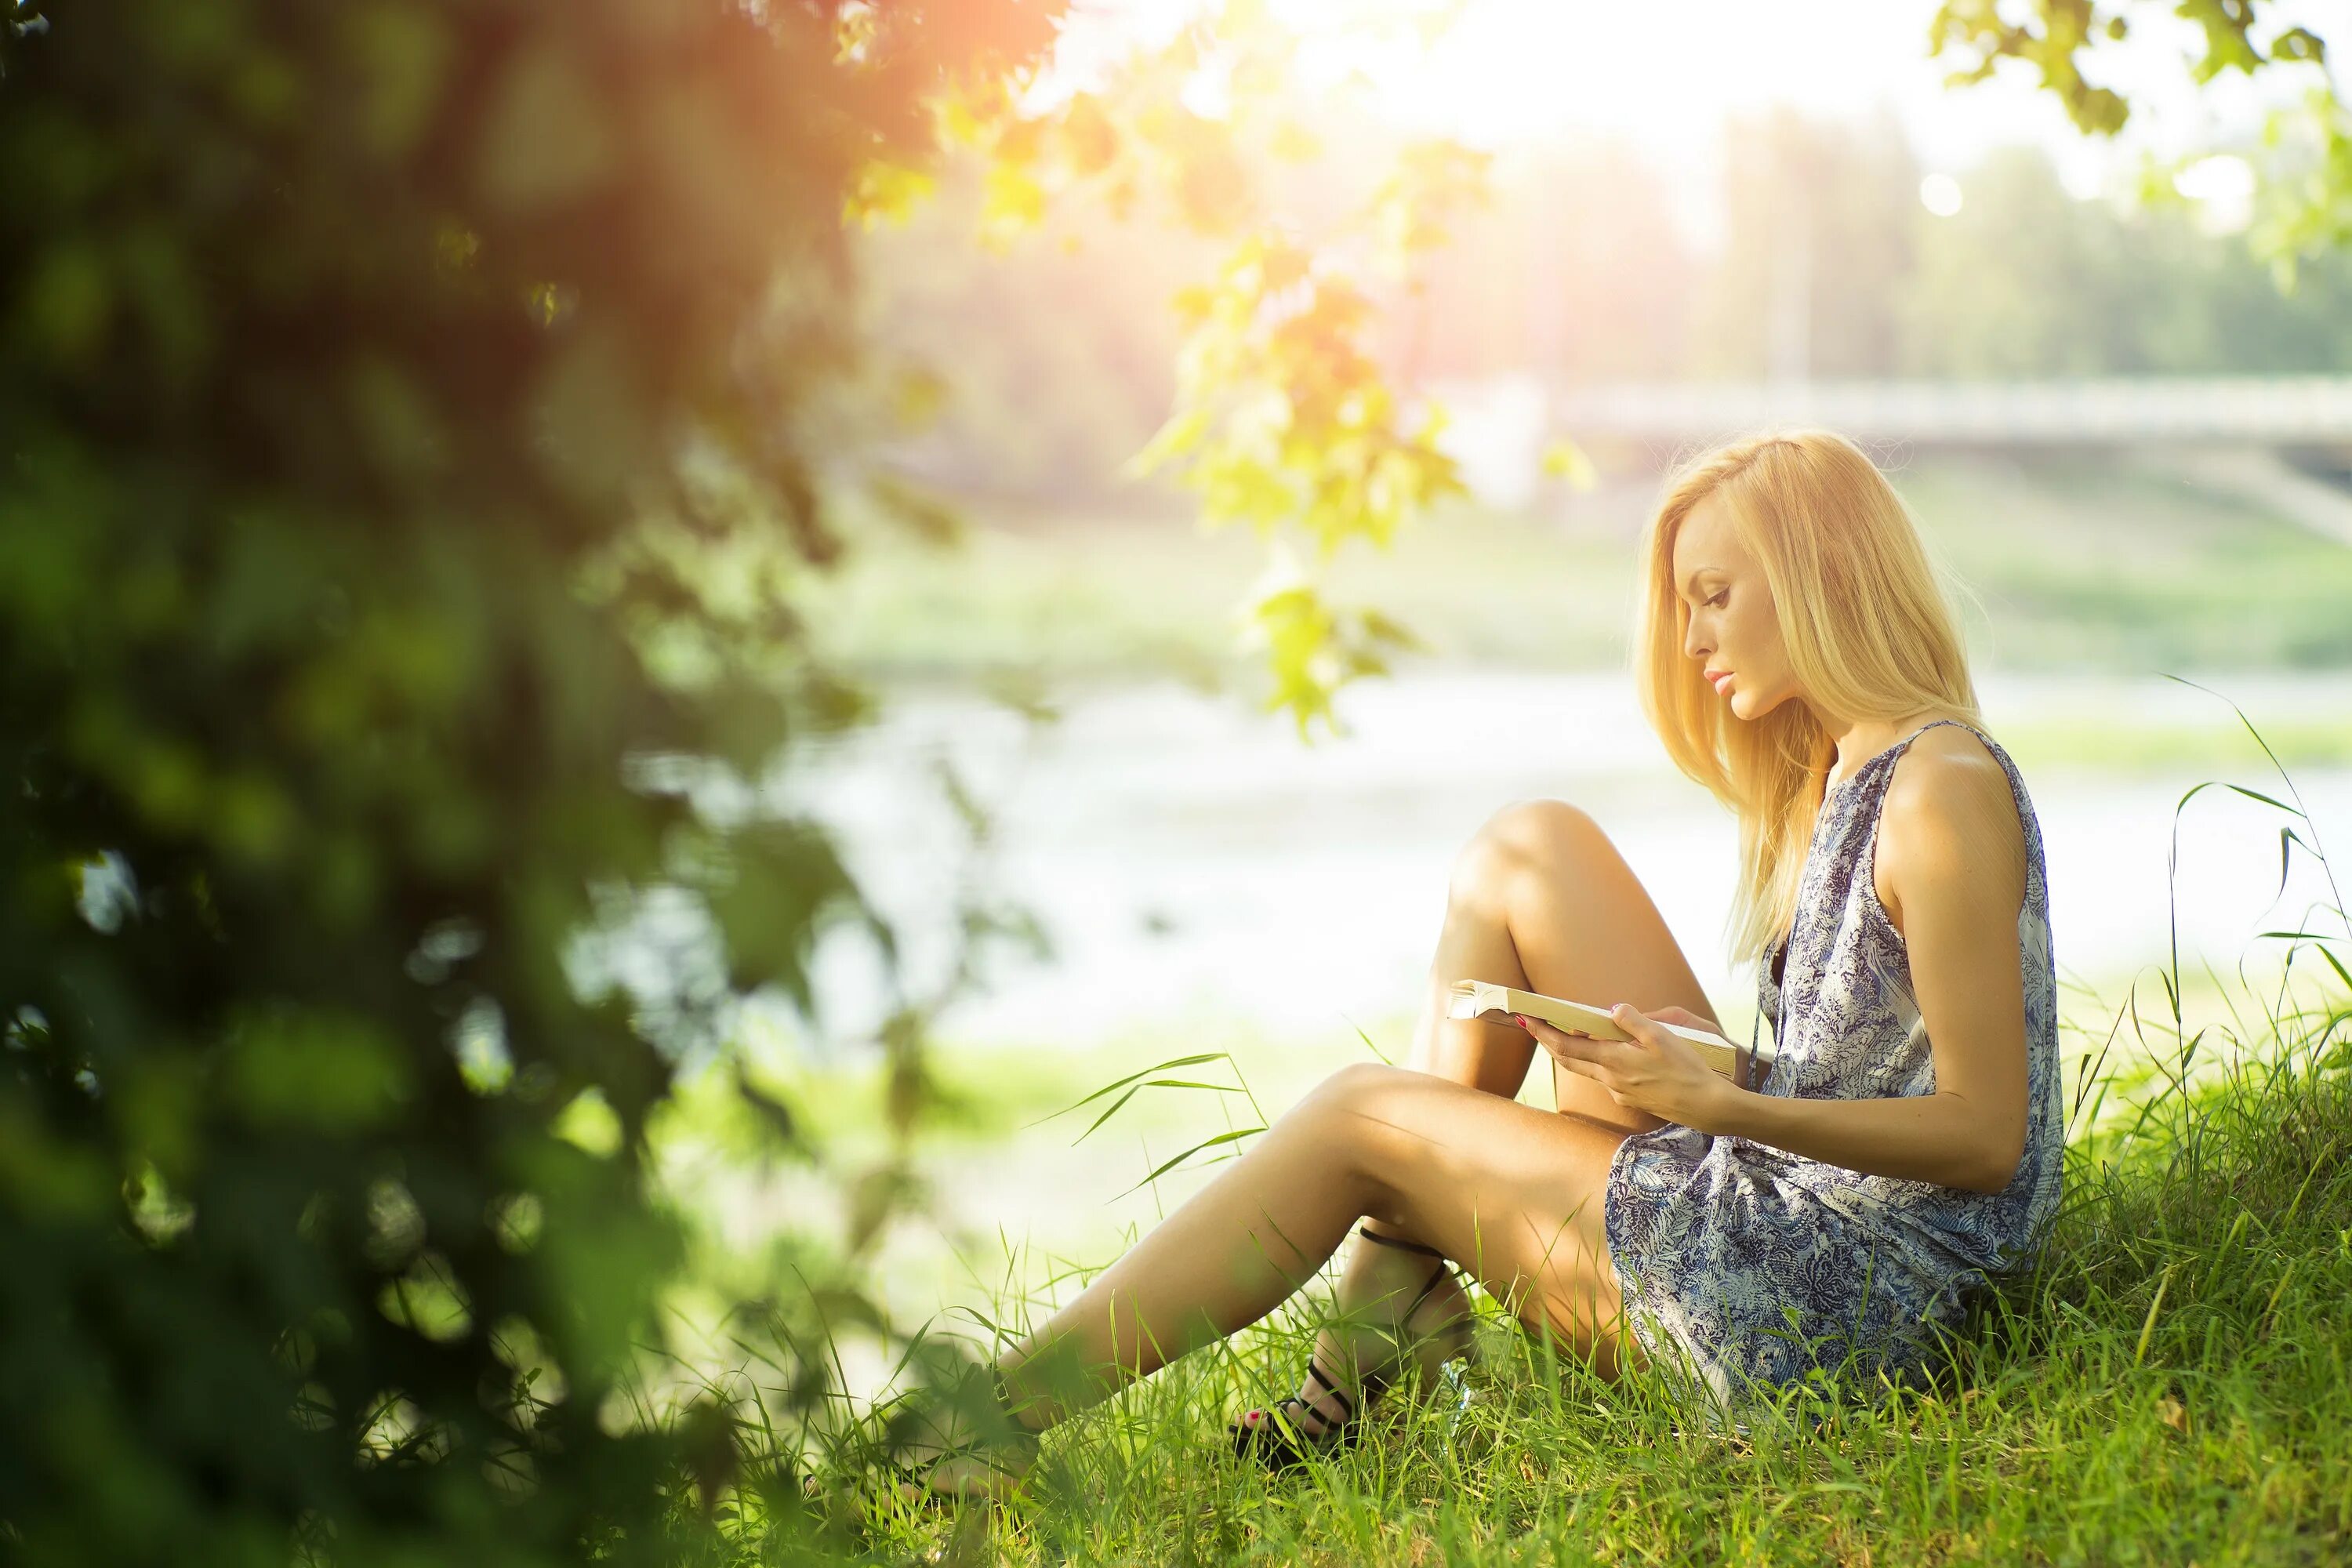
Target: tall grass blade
1234 1136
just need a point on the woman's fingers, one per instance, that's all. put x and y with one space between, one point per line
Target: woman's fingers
1641 1026
1552 1036
1598 1074
1651 1071
1575 1048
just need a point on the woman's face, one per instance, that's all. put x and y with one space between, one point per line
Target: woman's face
1735 629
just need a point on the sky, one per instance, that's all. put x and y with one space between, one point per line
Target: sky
1664 75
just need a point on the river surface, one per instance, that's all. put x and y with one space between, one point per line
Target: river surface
1186 856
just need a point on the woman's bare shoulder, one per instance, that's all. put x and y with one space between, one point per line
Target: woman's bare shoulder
1949 814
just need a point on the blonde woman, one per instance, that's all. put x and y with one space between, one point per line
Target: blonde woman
1798 656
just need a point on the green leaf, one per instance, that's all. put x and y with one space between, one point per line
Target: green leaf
1169 1065
2266 800
329 1071
1223 1138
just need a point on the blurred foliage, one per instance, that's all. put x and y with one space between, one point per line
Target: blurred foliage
1285 417
1282 420
414 418
2025 282
1064 342
1064 349
427 426
2304 163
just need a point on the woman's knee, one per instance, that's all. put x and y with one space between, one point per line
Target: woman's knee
1378 1127
1351 1087
1541 840
1344 1111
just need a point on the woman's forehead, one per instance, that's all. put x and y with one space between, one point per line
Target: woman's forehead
1705 539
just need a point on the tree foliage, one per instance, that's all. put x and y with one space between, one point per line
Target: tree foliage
2306 160
418 421
412 413
1286 418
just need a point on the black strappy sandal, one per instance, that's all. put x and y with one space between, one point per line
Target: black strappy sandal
1267 1436
1274 1438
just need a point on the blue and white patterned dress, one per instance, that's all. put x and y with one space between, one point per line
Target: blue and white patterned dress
1747 1263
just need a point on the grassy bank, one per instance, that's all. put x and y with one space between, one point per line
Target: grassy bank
2175 1385
2070 564
2096 1424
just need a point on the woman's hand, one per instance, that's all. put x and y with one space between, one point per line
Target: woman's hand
1654 1072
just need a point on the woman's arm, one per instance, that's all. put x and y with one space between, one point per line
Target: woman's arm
1954 855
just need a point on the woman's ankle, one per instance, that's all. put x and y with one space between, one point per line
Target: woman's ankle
1030 1411
971 1439
1408 1316
1327 1397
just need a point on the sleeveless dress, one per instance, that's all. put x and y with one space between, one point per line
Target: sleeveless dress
1746 1264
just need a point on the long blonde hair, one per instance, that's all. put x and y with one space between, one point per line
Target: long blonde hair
1869 628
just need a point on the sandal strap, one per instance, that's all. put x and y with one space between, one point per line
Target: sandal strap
1436 1276
1369 1234
1334 1390
1445 1265
1269 1439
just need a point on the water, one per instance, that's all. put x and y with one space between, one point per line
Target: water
1189 857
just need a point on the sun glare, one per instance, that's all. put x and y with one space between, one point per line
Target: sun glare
1940 194
1667 75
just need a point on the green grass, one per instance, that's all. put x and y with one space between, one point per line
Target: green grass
2109 567
2131 743
2175 1385
1122 597
2070 564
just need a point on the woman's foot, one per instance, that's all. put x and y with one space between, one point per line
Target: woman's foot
1319 1409
1434 1327
950 1455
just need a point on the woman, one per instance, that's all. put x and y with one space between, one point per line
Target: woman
1797 656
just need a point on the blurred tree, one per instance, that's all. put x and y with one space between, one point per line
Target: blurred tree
2026 281
2023 282
1819 229
420 421
2304 163
414 418
1056 349
1285 417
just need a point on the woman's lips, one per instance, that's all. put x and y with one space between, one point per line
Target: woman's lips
1721 681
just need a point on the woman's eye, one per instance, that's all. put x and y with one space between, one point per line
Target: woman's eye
1720 596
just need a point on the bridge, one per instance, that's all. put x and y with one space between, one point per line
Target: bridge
2235 434
2227 411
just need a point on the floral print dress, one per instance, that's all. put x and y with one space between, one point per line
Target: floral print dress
1749 1263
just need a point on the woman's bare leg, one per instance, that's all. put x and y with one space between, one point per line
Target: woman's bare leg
1511 1192
1540 900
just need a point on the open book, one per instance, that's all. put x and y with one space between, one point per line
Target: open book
1496 1004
